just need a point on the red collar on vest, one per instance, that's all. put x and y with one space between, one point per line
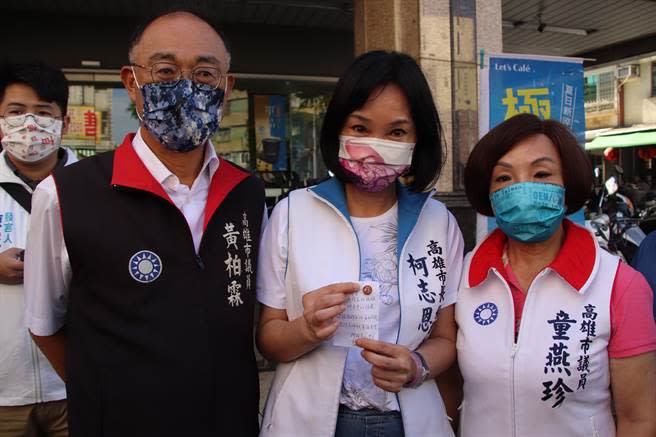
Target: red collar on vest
574 263
129 171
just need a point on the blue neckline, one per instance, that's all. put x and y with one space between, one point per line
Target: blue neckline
409 205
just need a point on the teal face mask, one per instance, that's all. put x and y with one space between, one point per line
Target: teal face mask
529 211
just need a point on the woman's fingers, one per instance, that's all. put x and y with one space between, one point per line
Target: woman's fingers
390 386
335 294
341 287
396 377
381 361
327 329
329 300
328 313
392 365
380 347
321 306
328 296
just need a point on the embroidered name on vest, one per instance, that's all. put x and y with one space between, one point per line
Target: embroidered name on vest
425 295
558 355
557 359
7 227
589 328
238 242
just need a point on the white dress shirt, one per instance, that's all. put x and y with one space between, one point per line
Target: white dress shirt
47 267
26 376
189 200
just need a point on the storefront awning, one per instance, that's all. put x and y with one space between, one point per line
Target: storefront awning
626 139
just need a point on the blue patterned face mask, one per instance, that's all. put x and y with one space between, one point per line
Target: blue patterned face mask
529 211
183 116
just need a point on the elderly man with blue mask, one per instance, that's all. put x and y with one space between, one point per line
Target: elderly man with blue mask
142 291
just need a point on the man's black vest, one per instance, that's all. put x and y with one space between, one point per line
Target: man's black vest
160 339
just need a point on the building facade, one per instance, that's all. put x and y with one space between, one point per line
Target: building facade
620 104
288 55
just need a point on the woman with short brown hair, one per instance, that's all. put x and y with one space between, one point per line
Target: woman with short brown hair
576 169
549 325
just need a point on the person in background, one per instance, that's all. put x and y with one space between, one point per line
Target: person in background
33 103
142 290
639 183
644 261
364 225
550 326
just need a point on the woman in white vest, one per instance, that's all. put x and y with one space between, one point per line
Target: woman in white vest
364 234
550 327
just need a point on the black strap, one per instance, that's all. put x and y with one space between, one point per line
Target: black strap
20 195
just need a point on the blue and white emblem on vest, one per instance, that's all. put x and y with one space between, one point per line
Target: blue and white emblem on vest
145 266
486 314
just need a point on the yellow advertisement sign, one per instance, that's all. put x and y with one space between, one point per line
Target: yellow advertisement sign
84 124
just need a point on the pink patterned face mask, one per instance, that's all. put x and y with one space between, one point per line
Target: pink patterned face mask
374 163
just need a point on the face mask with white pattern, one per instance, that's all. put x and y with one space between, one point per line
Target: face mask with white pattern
29 137
374 163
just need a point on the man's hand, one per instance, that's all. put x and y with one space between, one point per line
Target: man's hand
11 267
392 365
321 306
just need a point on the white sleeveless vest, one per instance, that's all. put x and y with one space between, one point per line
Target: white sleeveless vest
26 376
323 249
554 381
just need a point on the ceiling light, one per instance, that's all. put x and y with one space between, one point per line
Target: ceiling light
542 27
569 30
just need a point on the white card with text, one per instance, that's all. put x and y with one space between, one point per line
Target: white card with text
360 319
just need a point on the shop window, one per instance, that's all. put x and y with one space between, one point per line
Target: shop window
590 90
272 126
306 116
231 141
606 88
599 94
268 125
100 118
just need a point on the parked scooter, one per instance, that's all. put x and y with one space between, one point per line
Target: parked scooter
610 219
617 234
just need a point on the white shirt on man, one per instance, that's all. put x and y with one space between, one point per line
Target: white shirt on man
26 376
47 268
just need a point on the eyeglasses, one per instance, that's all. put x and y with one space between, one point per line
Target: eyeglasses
169 74
19 120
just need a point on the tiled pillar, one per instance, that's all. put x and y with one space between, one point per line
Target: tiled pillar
444 36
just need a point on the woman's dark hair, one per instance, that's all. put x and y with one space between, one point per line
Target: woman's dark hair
577 170
367 73
48 82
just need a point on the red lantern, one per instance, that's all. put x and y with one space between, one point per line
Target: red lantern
647 153
611 154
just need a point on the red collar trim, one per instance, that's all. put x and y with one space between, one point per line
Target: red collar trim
226 177
487 256
129 171
574 263
576 260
